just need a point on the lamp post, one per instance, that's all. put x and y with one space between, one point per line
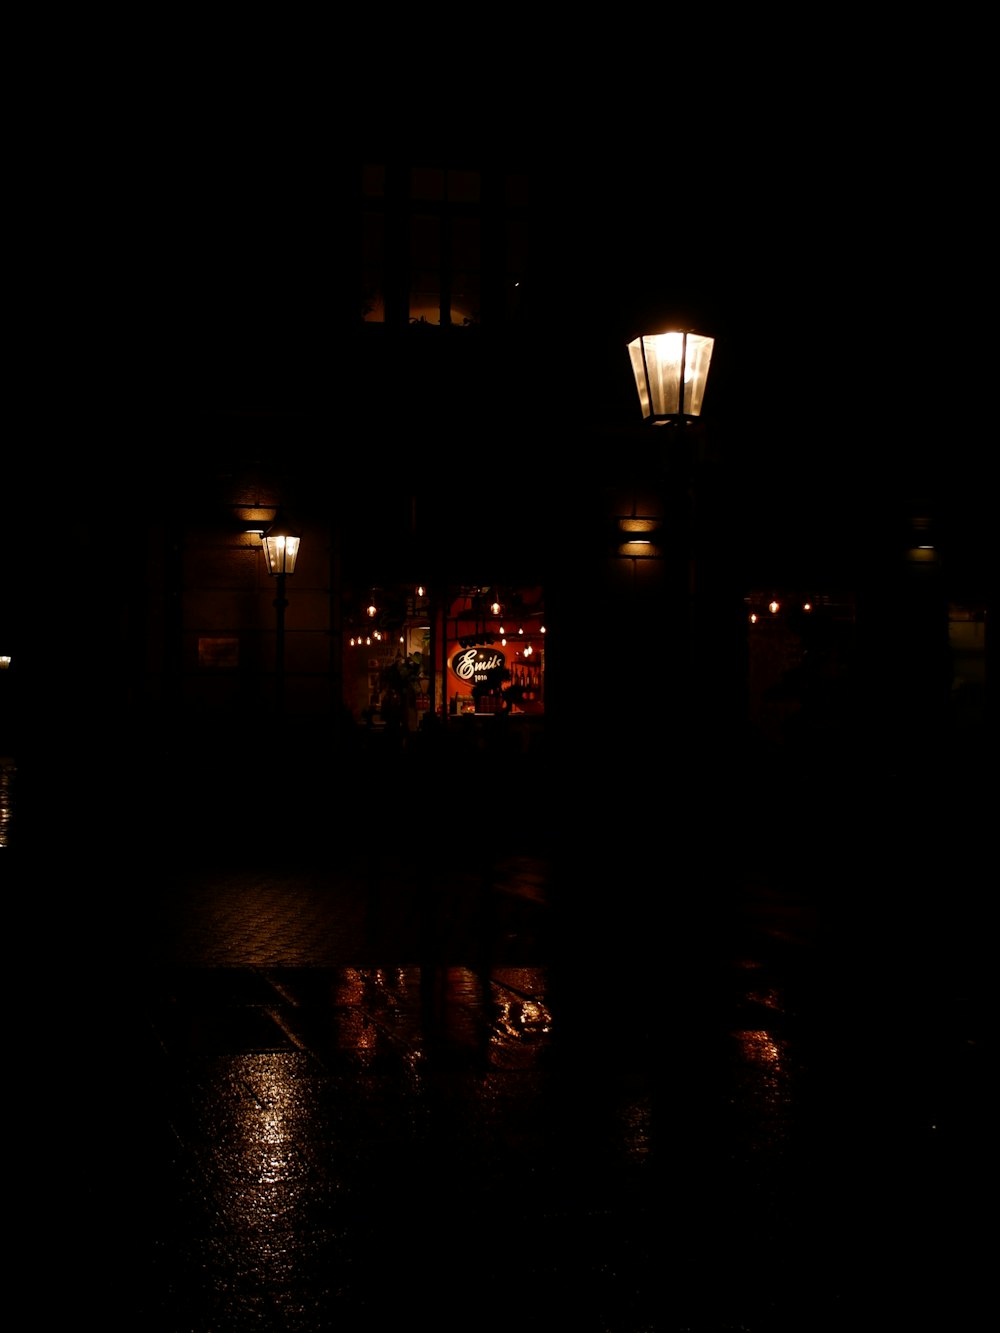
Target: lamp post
281 550
671 374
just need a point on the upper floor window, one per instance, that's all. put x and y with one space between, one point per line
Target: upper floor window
441 246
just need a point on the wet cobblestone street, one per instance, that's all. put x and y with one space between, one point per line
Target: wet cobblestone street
361 1092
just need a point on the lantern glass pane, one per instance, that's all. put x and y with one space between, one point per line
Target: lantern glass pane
663 358
281 551
657 362
699 356
639 371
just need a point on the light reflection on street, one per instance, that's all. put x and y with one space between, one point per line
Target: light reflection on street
261 1116
637 1119
259 1163
407 1010
760 1048
767 999
521 1020
521 1023
324 1100
766 1081
7 770
371 1009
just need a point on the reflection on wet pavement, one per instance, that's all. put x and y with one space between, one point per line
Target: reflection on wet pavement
359 1015
334 1127
366 1098
8 770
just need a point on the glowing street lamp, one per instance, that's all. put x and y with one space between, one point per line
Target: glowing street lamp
665 546
281 550
671 370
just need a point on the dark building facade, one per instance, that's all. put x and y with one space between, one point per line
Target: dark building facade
440 397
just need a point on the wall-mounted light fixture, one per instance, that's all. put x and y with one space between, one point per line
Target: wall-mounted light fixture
638 537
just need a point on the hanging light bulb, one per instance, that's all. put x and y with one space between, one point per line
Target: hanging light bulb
520 629
372 610
502 630
421 590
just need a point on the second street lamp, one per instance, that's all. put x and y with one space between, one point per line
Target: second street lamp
281 550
